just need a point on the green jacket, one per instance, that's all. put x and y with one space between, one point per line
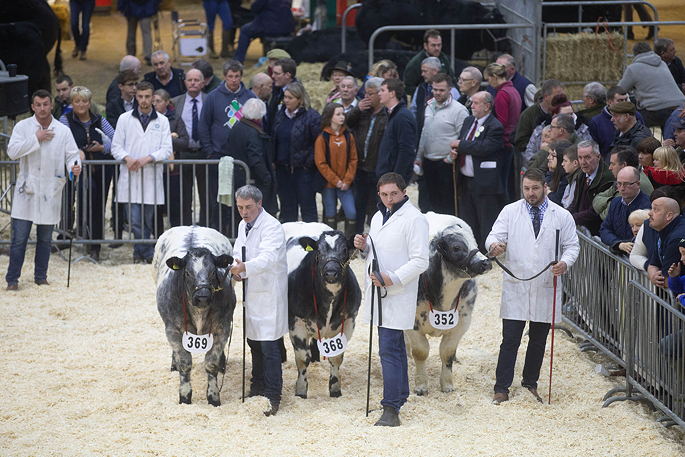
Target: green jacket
530 118
602 200
412 72
585 115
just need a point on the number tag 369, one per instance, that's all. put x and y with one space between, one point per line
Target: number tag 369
330 347
444 320
197 344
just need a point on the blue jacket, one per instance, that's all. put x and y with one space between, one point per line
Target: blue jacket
397 150
214 127
615 228
671 122
273 16
603 131
667 253
138 8
306 127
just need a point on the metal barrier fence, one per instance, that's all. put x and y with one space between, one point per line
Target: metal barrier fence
602 305
93 213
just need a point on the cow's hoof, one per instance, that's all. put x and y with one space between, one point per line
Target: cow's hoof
448 389
185 399
421 391
214 402
273 410
304 395
336 393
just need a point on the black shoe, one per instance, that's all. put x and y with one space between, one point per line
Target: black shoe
389 418
12 286
42 282
274 408
534 391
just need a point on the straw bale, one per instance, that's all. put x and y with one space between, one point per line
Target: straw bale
585 57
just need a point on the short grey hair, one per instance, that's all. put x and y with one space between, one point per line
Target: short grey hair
80 91
249 192
373 83
487 97
589 144
661 44
160 53
130 63
432 62
254 109
475 73
259 79
565 121
350 78
232 65
596 91
510 61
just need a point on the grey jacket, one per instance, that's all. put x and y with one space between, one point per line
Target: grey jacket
654 85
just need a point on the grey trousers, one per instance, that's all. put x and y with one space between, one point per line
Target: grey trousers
144 30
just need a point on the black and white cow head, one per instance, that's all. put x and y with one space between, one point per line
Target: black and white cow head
332 256
201 276
458 249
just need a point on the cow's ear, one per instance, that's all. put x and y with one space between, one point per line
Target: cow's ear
223 261
308 244
176 263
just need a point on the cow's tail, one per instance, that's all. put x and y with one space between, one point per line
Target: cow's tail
58 64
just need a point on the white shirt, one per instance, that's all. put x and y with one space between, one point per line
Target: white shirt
187 117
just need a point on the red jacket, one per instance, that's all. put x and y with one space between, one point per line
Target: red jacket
508 109
664 177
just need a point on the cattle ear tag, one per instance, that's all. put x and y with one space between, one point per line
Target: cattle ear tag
309 248
197 344
330 347
175 267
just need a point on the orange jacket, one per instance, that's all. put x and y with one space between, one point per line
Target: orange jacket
335 170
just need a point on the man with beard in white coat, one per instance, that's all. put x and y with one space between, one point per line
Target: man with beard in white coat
142 137
526 231
45 148
266 303
399 237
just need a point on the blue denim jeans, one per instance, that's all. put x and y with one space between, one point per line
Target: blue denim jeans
393 353
267 374
20 236
142 219
247 33
346 197
85 10
220 7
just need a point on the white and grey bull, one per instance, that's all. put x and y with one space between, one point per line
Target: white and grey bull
319 274
195 294
454 261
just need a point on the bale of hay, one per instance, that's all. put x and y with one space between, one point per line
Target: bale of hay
584 57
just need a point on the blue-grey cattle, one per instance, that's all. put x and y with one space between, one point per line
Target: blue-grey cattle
323 295
446 285
194 294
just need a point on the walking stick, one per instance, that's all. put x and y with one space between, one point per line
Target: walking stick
454 187
368 370
71 232
71 242
244 323
554 311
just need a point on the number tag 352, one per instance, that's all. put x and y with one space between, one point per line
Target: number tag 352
444 320
330 347
197 344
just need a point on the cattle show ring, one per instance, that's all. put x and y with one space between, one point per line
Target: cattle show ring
86 368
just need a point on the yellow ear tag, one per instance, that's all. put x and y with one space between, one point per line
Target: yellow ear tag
308 248
175 267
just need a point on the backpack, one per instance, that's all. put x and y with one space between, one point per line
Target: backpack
318 181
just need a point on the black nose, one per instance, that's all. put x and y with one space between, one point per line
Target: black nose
331 275
201 297
480 266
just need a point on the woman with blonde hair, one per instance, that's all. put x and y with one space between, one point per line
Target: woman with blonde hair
667 169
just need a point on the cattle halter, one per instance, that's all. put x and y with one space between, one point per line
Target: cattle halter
469 257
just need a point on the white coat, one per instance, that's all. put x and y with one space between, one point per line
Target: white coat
147 186
266 270
526 255
402 247
38 191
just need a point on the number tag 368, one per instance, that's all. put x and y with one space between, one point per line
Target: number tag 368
444 320
330 347
197 344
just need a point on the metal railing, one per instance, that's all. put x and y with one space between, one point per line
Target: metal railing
580 5
343 39
93 214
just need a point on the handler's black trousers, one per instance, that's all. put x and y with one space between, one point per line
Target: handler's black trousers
511 339
267 376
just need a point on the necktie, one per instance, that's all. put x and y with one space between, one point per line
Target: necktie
588 181
471 135
194 135
536 220
248 227
144 119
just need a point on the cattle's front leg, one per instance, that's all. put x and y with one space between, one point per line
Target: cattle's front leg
334 378
213 360
448 351
182 360
419 351
299 336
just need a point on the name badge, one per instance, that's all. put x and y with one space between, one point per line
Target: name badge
330 347
197 344
444 320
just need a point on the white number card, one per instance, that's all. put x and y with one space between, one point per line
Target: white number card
197 344
330 347
444 320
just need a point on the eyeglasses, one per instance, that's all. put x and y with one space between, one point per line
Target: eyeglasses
464 80
555 127
625 184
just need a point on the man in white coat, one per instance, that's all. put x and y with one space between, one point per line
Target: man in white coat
398 236
142 138
526 231
266 302
45 149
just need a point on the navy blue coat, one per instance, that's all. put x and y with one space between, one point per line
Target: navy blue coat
667 252
615 228
274 17
138 8
306 127
397 150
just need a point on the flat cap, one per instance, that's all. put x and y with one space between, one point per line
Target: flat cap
622 108
277 54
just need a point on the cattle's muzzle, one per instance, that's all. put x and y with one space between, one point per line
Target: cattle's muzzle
479 266
202 295
332 271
